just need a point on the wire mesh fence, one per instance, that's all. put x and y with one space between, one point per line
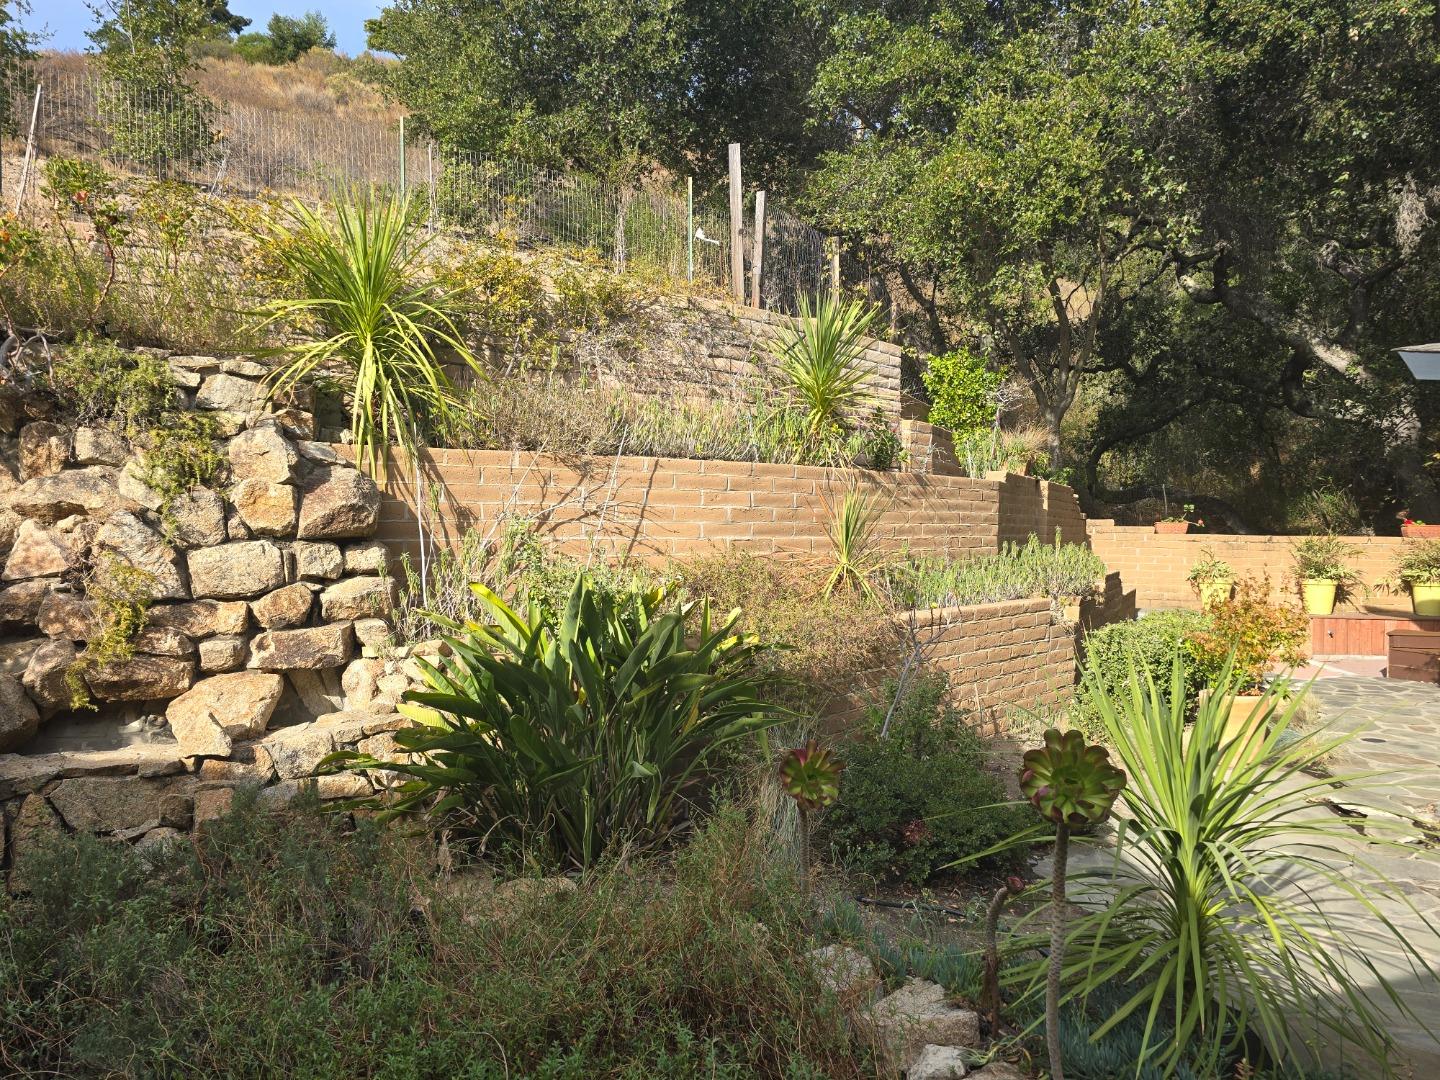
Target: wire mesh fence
248 152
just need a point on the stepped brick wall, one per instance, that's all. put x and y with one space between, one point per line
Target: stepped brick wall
658 508
1154 566
1001 659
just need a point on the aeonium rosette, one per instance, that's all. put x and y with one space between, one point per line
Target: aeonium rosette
1069 781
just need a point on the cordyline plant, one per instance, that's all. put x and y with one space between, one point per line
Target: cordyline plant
1238 913
810 775
821 356
1073 785
363 303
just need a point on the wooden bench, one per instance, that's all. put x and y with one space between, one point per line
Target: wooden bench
1413 655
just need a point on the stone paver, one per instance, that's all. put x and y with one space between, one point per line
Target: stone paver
1397 726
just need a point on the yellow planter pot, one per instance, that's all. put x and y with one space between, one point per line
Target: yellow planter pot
1243 722
1213 592
1425 599
1319 595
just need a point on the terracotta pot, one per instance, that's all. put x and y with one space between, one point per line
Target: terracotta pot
1318 595
1214 592
1172 527
1425 599
1420 532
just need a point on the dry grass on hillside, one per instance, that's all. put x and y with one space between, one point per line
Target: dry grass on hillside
319 84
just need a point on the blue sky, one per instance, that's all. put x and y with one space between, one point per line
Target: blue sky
67 20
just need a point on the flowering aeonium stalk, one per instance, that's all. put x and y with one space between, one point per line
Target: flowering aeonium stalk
1072 784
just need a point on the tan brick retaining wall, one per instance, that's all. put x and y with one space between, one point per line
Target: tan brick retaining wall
1000 658
658 508
1154 566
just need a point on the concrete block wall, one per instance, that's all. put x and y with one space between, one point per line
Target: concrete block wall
1154 566
659 508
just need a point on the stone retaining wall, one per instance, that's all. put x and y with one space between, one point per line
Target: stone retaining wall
260 649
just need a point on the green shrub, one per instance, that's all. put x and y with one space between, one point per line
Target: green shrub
568 734
991 450
97 382
279 945
1248 634
964 391
920 797
1148 645
819 644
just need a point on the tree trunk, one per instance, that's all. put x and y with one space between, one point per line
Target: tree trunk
804 853
1054 421
990 984
1057 952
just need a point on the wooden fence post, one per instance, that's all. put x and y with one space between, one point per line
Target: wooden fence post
737 211
29 151
757 257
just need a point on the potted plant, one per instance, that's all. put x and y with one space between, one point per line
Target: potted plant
1211 577
1253 635
1414 529
1321 571
1418 569
1177 523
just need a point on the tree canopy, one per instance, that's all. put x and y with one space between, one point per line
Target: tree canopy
1045 180
286 39
614 87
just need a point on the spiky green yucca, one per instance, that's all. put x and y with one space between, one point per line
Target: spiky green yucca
851 528
821 358
1239 908
363 302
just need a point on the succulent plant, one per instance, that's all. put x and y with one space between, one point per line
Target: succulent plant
810 775
1071 784
1069 781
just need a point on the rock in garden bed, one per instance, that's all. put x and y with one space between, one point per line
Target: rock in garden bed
918 1015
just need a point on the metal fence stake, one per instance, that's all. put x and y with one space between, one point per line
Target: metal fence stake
737 213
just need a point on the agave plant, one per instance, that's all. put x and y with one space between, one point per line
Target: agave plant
362 302
810 775
820 356
1073 785
573 732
